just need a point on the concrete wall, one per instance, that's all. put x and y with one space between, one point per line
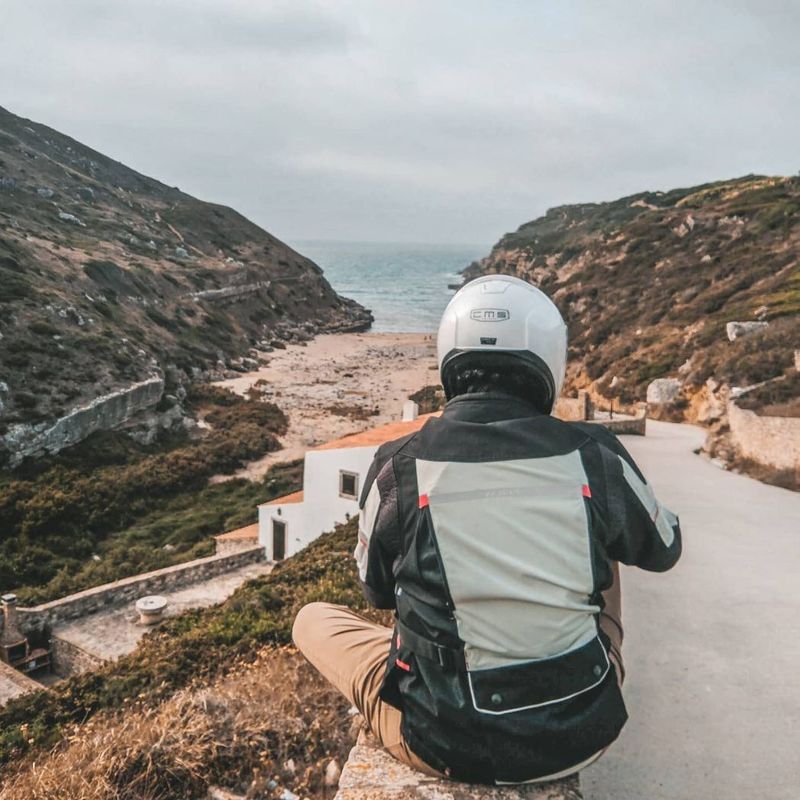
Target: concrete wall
103 413
634 426
69 659
38 619
627 425
772 441
228 547
228 292
573 408
293 516
322 506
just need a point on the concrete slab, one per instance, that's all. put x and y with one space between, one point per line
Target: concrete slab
712 648
13 683
111 634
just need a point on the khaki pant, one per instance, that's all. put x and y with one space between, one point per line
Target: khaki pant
351 653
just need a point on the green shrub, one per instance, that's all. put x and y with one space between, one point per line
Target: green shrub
168 323
89 496
18 360
14 286
25 400
186 523
42 328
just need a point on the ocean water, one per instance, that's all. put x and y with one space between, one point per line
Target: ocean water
405 285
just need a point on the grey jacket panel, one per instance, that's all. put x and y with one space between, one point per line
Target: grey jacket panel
514 541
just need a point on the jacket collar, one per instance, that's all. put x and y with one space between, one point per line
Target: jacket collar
488 407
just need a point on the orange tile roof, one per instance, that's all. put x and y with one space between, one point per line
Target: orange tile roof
239 535
294 497
377 436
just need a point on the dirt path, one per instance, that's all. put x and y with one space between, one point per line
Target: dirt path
712 648
336 384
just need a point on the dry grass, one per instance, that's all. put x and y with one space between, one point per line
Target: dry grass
239 732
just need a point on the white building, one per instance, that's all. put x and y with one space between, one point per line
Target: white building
333 476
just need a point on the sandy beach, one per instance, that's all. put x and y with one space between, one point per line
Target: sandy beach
338 384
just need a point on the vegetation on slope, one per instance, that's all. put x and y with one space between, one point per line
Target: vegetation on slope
193 652
190 649
108 507
106 274
274 720
647 283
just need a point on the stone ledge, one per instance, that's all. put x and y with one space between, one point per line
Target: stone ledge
372 774
37 619
14 683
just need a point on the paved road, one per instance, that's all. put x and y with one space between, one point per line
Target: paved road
712 648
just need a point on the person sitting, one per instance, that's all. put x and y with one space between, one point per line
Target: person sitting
495 534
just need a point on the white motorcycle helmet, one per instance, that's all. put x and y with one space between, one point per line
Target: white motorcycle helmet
502 322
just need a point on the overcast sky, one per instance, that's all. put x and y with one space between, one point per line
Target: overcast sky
412 121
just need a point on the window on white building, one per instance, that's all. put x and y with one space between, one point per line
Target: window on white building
348 484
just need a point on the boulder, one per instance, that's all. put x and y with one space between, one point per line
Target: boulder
710 402
737 329
332 773
663 390
71 218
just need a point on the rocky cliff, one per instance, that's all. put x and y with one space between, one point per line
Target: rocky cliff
108 277
649 284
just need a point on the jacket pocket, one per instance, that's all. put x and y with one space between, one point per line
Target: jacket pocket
533 684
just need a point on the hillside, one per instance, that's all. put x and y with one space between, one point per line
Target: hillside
647 284
189 707
108 277
110 507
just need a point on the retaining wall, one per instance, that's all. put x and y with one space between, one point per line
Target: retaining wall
771 441
69 659
41 618
227 547
229 292
632 426
573 408
103 413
